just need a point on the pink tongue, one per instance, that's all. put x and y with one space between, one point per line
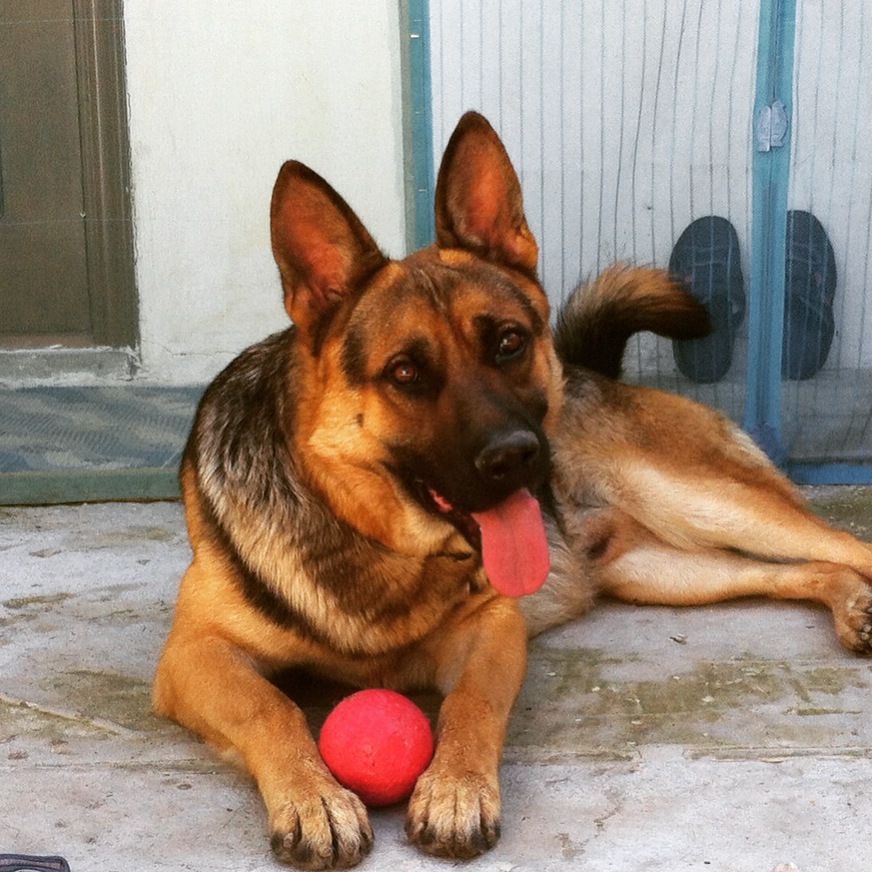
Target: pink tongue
514 547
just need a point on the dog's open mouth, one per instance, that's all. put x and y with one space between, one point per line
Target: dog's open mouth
514 545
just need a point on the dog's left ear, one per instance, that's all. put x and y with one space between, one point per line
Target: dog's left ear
478 198
323 251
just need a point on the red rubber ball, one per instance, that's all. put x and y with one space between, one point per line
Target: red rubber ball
377 743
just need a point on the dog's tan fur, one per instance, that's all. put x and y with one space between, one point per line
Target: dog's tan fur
314 545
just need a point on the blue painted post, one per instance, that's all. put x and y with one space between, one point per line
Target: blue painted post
770 179
421 120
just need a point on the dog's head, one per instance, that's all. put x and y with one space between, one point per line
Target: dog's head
428 385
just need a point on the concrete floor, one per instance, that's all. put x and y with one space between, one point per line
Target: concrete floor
734 738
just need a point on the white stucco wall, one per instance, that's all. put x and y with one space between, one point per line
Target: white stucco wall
220 95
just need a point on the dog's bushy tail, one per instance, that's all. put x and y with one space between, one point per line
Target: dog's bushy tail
598 319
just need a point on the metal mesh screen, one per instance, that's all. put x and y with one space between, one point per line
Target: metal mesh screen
629 121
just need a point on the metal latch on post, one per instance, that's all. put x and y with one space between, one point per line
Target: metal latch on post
770 126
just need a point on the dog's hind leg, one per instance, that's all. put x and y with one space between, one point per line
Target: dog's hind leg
755 518
629 562
688 474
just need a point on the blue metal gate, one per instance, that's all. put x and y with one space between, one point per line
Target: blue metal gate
637 126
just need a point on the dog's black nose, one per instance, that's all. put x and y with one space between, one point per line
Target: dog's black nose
509 458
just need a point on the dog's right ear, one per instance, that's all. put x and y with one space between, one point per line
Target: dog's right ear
323 251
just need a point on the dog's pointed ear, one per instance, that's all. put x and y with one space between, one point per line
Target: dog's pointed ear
322 249
478 198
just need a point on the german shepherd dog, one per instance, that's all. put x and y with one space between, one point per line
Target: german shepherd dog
403 486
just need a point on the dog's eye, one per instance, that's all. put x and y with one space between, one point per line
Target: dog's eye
511 345
403 372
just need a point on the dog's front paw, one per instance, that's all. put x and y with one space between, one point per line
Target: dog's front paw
327 829
454 817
